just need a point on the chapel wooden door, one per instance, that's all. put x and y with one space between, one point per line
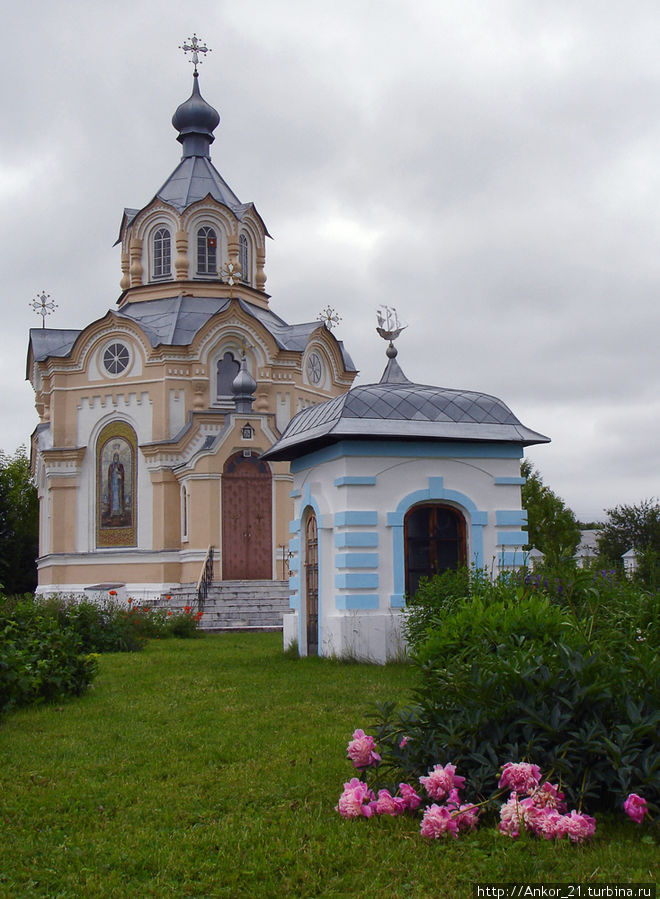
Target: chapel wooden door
247 543
312 584
435 542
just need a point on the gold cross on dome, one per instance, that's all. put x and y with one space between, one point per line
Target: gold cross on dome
195 48
232 273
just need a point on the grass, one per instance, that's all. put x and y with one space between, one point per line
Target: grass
212 767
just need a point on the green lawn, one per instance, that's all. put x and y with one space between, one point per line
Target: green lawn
212 767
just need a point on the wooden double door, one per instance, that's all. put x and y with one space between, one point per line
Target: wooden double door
247 519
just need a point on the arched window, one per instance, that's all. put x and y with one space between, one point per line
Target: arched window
162 253
207 251
244 257
435 542
228 368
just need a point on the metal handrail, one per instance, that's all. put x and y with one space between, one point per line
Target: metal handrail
205 579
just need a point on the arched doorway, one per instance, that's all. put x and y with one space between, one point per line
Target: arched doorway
435 542
247 550
312 584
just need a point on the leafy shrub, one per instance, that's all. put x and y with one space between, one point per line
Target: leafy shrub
40 661
559 677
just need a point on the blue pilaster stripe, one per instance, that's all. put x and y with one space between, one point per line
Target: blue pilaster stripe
397 601
356 581
511 518
343 519
352 601
294 600
356 539
512 559
502 481
356 560
294 526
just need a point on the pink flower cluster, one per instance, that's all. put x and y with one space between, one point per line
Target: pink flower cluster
635 807
539 808
358 800
441 781
452 817
361 750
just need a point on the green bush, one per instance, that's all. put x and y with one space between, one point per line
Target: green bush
41 661
556 673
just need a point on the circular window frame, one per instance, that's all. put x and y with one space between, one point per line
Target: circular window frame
106 349
315 357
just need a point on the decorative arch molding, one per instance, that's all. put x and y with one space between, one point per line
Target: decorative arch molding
158 214
234 331
475 520
116 485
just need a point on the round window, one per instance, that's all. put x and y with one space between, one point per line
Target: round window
116 358
314 368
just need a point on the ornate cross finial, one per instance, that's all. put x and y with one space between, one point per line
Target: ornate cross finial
232 273
330 317
389 326
43 306
195 48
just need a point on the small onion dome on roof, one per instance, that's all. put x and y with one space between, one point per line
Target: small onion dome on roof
243 387
398 409
196 120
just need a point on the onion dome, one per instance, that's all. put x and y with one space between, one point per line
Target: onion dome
243 387
196 120
398 409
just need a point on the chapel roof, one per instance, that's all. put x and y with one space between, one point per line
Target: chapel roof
174 321
396 408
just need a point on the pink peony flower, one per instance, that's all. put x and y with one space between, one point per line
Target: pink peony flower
353 802
520 777
548 796
410 796
361 750
635 807
386 804
467 817
512 817
579 827
546 823
441 781
437 822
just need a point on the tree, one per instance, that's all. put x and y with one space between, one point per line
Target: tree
19 524
632 527
551 525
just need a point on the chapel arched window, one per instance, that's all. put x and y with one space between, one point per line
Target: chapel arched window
228 368
207 251
244 257
162 253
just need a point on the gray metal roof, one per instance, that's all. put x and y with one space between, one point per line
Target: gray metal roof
174 321
397 408
47 342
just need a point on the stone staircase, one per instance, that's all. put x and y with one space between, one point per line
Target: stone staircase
235 605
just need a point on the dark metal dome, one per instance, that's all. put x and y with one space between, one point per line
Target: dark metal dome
196 120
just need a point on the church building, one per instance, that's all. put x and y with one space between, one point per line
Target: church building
153 418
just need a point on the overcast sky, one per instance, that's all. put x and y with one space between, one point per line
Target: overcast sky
491 168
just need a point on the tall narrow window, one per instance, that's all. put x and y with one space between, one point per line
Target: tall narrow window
207 251
244 257
162 253
228 368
